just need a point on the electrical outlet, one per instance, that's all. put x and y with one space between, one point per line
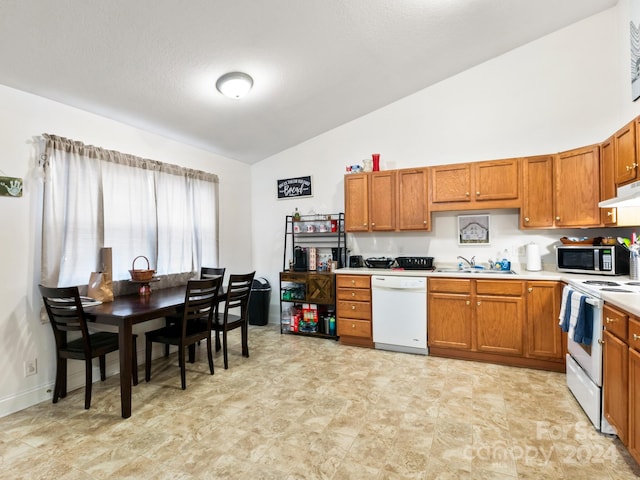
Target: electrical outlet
30 367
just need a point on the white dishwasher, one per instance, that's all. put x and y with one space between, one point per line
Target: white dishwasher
399 311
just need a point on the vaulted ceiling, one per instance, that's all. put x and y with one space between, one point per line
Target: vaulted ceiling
316 64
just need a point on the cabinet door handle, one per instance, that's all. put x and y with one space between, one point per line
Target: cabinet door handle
353 294
600 341
477 193
530 289
353 325
468 302
479 303
424 222
636 336
353 282
373 224
526 219
610 320
628 167
558 219
466 194
609 213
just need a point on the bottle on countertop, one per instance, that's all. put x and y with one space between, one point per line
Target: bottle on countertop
506 263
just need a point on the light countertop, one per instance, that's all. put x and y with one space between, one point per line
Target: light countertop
630 302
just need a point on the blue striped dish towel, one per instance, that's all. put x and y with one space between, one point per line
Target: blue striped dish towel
575 317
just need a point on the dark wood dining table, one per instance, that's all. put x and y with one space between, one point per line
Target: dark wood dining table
129 310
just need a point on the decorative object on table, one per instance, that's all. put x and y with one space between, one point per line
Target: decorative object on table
294 187
376 161
367 165
100 285
142 276
473 230
10 187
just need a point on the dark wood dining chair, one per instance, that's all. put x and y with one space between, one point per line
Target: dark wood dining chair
209 272
195 325
205 273
66 314
236 299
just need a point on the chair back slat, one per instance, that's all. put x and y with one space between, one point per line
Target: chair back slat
65 311
200 300
239 291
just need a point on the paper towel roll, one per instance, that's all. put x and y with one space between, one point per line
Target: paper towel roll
533 258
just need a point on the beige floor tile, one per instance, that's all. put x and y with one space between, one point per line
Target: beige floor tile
306 408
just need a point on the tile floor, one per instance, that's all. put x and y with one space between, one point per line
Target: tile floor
305 408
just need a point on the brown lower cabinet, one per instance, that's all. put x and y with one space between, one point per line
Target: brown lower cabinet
510 322
353 310
621 376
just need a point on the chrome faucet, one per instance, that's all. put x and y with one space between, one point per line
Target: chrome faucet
471 263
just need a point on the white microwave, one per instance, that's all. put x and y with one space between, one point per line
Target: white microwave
600 260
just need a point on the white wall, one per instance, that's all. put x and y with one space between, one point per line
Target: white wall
566 90
22 336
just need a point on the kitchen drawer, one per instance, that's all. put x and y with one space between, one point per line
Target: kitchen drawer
356 294
350 309
354 328
634 333
615 322
449 285
513 288
353 281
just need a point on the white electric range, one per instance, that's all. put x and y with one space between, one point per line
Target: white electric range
584 362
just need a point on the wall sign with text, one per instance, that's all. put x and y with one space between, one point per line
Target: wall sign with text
295 187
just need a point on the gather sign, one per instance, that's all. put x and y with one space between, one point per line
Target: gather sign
295 187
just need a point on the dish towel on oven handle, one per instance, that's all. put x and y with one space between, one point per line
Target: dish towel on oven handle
575 318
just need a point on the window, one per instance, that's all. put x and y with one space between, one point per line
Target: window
95 197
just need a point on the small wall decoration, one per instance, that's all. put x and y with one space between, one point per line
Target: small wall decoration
295 187
634 33
10 187
473 230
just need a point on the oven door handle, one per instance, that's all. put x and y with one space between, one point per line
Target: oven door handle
596 302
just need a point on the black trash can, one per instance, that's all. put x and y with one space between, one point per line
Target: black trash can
259 301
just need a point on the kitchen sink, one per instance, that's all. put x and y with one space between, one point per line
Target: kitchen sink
476 271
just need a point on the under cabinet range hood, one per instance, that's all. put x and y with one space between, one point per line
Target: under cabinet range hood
627 196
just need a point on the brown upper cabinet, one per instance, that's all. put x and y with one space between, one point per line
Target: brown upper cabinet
356 202
537 192
413 201
478 185
625 148
608 181
387 200
370 201
577 187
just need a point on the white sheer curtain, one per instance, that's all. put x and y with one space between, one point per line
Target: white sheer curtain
95 197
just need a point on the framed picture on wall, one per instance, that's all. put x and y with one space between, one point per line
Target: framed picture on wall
634 33
473 230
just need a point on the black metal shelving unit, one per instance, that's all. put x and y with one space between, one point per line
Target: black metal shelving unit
313 288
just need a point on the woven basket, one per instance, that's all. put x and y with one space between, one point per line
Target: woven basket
141 275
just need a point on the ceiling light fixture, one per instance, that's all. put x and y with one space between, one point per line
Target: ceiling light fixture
234 84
